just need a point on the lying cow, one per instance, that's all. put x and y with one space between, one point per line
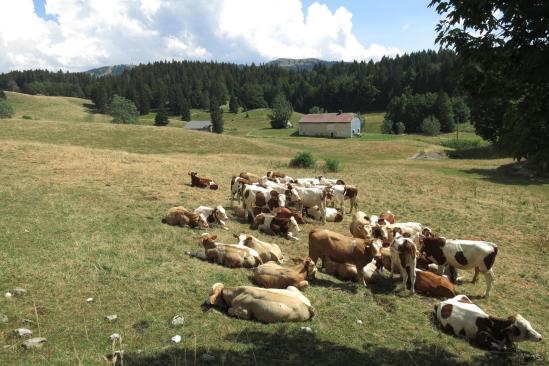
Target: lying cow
462 254
360 226
332 214
273 225
272 275
213 215
342 271
255 196
228 255
285 212
460 317
343 249
431 284
202 182
264 305
403 256
267 252
180 216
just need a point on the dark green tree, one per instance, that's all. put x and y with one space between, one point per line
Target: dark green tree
316 109
185 110
233 104
504 47
161 118
462 113
430 126
444 112
281 113
123 110
216 115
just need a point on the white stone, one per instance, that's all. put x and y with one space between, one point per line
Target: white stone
359 322
37 342
89 300
20 291
22 332
114 337
178 320
111 318
8 295
307 329
176 338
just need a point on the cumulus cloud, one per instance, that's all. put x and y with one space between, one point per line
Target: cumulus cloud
91 33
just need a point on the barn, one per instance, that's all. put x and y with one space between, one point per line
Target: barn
199 126
342 125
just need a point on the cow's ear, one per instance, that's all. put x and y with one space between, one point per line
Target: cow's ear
213 237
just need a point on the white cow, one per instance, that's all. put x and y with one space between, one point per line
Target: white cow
213 215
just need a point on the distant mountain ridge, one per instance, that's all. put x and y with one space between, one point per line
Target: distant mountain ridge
109 70
300 63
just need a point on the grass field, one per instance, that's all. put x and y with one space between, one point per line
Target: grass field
81 208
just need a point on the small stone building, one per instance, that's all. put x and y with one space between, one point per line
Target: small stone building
340 125
199 126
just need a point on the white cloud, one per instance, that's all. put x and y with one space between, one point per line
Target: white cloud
91 33
405 26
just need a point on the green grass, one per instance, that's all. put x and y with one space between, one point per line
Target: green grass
81 210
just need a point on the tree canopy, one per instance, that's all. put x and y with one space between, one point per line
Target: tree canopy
123 110
282 112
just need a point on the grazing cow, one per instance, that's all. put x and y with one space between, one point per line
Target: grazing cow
460 317
249 176
403 255
343 249
202 182
340 193
228 255
285 212
272 275
332 214
462 254
237 187
273 225
255 196
388 216
267 252
180 216
269 184
265 305
310 197
213 216
360 226
430 284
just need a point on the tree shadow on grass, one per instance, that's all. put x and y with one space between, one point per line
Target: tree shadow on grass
512 174
293 347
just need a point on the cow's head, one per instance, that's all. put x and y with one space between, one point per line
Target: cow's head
193 174
432 248
215 297
521 330
207 240
380 232
292 195
375 249
221 215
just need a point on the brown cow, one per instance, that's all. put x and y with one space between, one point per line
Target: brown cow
343 249
430 284
249 176
202 182
388 216
286 213
180 216
272 275
228 255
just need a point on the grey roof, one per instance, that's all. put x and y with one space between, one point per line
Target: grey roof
198 125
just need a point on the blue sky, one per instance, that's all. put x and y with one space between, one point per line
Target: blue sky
78 35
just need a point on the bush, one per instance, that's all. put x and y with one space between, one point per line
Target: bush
6 109
331 165
387 127
26 117
399 128
303 160
316 110
123 110
462 144
430 126
161 118
281 113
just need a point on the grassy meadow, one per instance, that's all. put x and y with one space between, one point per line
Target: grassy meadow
82 203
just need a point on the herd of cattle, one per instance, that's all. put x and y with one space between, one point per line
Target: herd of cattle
277 204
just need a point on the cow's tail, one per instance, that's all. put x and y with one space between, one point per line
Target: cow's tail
197 255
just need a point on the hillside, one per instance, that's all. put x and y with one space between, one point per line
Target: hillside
110 70
299 64
81 214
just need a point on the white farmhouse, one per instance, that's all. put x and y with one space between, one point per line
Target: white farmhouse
329 125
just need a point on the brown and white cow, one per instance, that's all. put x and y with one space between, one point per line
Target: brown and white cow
327 181
228 255
267 251
254 178
202 182
403 255
360 226
309 197
272 275
332 214
255 196
460 317
273 225
462 254
285 212
180 216
388 216
267 305
237 187
343 249
341 193
213 215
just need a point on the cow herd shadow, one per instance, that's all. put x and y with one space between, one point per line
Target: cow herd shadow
293 347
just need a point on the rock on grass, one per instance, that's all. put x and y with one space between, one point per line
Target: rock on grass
36 342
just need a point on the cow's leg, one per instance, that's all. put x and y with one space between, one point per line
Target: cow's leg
362 275
412 279
489 276
475 277
302 285
239 312
404 275
392 266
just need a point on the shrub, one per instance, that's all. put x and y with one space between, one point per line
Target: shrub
303 160
161 118
26 117
430 126
281 113
123 110
399 128
462 144
6 109
331 165
387 127
316 109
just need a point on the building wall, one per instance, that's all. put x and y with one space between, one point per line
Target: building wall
326 129
355 125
